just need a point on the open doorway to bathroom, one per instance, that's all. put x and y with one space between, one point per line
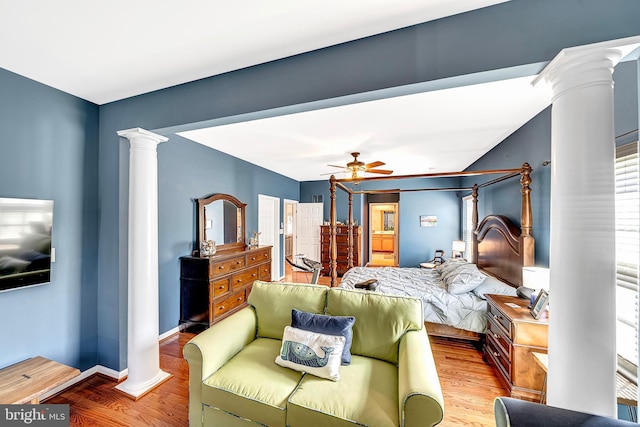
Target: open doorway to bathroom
383 234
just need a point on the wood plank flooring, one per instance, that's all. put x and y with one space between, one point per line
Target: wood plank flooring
469 387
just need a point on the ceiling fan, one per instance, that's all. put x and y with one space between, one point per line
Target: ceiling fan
357 169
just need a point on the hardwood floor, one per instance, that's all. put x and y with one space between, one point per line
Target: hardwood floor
468 384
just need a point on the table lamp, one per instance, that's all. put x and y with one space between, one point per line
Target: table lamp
457 248
533 279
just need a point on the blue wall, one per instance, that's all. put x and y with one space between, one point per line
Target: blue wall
417 244
57 133
48 146
531 143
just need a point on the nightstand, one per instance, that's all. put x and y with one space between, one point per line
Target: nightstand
513 335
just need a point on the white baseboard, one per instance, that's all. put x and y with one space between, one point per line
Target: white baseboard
169 333
99 369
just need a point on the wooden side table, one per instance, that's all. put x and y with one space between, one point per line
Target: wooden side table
26 381
513 335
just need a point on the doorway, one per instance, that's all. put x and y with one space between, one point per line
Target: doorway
290 207
383 234
269 229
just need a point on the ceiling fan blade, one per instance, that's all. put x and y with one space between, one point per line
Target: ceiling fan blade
336 166
330 173
382 171
374 164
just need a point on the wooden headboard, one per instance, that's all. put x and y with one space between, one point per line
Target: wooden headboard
502 249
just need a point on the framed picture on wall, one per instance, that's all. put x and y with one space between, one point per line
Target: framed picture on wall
428 220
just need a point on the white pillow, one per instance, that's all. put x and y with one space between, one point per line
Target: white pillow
452 273
449 265
310 352
465 280
491 285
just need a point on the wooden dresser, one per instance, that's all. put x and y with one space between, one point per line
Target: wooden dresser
512 336
214 287
342 242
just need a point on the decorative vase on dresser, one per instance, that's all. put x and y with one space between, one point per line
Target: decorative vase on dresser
513 335
342 242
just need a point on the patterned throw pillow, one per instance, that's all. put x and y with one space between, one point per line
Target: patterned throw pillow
316 354
328 325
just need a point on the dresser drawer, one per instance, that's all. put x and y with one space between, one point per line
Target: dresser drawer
496 332
220 287
229 303
224 267
258 256
239 280
501 360
264 272
500 319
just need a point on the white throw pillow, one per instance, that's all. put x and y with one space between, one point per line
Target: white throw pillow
464 280
310 352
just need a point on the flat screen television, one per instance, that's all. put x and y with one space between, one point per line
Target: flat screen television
25 242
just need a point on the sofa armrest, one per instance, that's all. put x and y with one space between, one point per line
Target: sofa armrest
420 394
520 413
210 350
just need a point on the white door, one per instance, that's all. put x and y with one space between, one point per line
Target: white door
269 229
308 222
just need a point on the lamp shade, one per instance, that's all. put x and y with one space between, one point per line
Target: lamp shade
535 278
457 246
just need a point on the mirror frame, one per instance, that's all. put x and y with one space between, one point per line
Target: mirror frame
202 203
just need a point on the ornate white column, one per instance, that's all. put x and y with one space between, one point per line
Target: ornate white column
143 349
582 321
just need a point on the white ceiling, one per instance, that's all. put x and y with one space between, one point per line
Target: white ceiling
106 51
103 51
439 131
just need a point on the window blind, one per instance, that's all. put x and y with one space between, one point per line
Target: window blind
627 252
467 226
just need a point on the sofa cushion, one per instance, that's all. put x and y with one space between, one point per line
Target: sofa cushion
273 303
329 325
381 320
366 395
311 352
251 386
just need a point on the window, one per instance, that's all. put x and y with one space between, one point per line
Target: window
627 255
467 226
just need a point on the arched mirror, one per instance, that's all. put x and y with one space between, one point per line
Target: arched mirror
221 219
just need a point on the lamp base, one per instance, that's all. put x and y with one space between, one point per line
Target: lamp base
524 292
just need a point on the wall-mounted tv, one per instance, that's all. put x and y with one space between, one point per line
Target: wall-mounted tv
25 242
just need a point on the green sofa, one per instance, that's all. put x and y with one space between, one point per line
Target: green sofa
391 381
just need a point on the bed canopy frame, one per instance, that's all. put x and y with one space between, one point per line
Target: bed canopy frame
498 246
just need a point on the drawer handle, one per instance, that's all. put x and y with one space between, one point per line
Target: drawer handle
496 354
221 267
221 287
222 307
253 275
239 299
239 280
253 258
496 336
238 262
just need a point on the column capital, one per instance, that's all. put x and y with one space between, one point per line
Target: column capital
139 133
586 65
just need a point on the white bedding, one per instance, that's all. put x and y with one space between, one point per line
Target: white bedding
464 311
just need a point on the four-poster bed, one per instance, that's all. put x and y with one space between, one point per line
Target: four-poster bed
500 248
